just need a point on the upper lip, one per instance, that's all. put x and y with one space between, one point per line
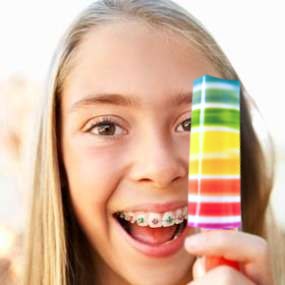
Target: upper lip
156 207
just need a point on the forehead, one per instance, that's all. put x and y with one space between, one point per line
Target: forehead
131 57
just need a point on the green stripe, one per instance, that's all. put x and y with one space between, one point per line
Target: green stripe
218 117
224 96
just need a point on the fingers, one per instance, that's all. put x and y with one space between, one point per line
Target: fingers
249 250
222 275
198 269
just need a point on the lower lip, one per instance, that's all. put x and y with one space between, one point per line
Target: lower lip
163 250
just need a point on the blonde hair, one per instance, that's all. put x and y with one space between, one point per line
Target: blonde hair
54 254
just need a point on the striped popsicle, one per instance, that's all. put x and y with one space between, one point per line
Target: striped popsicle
214 158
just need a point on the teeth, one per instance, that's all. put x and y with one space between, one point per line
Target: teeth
155 220
142 219
131 217
168 219
179 216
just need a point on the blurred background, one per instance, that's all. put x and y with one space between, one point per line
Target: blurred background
250 33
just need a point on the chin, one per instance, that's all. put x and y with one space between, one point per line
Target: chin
171 272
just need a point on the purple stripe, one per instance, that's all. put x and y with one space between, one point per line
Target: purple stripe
235 225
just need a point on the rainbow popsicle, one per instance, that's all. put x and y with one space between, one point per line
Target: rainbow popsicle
214 158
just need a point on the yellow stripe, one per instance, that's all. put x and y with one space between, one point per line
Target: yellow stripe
214 142
215 166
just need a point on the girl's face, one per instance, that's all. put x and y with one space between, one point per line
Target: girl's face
125 142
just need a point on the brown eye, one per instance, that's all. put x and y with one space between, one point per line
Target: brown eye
106 127
186 126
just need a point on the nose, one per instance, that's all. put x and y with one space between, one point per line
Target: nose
159 162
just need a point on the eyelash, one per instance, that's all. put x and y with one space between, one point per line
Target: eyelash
109 121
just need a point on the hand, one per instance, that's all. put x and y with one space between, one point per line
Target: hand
249 250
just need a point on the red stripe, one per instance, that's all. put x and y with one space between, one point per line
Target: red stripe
214 209
214 186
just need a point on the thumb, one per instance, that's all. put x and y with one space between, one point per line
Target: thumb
199 269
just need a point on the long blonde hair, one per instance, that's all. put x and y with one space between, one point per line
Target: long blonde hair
54 254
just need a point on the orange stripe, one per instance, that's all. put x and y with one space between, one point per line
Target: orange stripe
224 187
215 166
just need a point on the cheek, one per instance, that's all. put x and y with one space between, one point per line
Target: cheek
93 172
93 175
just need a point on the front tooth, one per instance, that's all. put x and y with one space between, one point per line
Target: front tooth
154 220
179 216
168 219
142 219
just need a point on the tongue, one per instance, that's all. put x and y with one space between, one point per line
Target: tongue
152 235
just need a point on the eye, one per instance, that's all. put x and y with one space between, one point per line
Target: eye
105 127
186 126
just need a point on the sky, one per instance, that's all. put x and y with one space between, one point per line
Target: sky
249 32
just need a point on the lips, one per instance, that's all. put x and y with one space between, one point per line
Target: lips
156 207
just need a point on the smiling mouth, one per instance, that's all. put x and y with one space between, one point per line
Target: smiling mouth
151 235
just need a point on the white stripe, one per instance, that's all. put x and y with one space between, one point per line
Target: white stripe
218 177
201 142
216 86
232 153
212 199
216 219
214 105
202 129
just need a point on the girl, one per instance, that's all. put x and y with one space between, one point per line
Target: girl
112 144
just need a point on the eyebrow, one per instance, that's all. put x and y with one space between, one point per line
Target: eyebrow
127 101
